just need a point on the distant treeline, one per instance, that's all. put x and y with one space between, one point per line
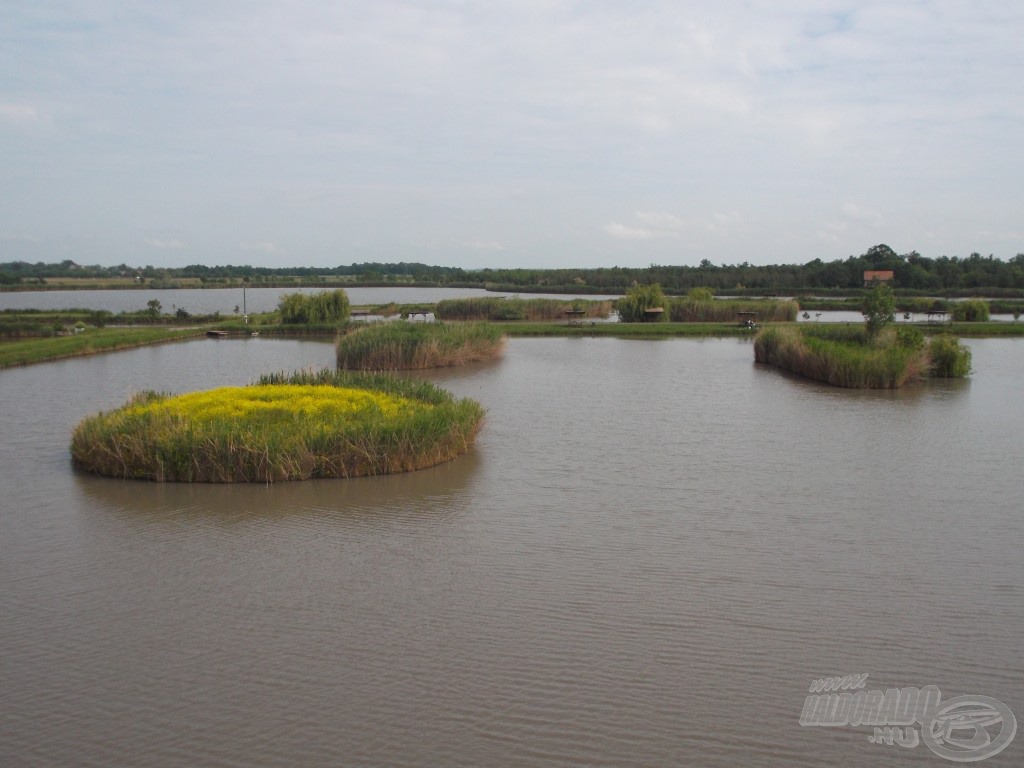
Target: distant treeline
912 273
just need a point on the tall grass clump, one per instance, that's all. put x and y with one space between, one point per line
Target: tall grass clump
949 358
970 311
499 309
691 309
287 427
401 345
326 307
888 362
634 306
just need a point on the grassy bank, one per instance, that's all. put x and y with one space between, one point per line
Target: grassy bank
287 427
845 356
690 310
89 342
977 330
493 308
624 330
402 346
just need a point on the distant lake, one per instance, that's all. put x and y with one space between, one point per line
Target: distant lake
224 300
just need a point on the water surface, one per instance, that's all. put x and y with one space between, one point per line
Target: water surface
653 549
225 300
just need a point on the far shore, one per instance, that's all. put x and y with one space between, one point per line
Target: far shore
111 339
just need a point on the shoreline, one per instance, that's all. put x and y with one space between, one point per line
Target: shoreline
21 352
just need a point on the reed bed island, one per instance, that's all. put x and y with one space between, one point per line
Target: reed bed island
851 357
407 346
286 427
877 355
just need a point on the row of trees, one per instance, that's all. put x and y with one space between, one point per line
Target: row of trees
912 271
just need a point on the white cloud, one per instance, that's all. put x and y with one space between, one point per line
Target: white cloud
172 244
649 225
260 247
652 225
616 229
18 113
484 245
862 214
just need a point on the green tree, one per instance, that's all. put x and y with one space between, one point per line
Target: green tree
701 294
971 310
153 307
633 306
326 307
879 308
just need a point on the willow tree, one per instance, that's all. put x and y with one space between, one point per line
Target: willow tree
326 307
879 308
638 300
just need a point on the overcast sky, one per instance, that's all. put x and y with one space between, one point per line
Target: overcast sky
525 133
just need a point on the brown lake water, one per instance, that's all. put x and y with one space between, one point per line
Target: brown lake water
651 552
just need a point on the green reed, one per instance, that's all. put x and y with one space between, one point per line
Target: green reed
400 345
690 310
889 363
495 308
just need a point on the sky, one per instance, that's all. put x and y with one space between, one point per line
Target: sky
529 133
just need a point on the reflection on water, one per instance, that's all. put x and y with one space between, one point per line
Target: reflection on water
358 501
650 553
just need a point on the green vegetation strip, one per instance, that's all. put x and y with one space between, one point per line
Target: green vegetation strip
286 427
89 342
689 310
982 329
402 346
624 330
848 356
495 308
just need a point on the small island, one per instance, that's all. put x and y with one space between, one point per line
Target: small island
407 346
876 355
285 427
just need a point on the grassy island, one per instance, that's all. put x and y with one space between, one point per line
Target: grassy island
846 356
499 309
286 427
90 342
401 345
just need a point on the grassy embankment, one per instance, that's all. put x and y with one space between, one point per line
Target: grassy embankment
690 310
286 427
493 308
401 346
915 304
846 356
981 329
88 342
624 330
33 348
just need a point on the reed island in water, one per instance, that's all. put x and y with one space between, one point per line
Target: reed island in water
404 346
876 355
286 427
